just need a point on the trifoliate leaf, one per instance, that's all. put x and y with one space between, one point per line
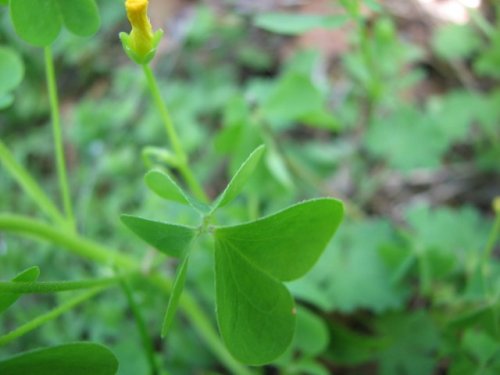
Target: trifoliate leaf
254 309
240 178
39 22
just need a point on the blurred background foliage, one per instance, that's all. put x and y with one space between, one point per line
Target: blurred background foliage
393 107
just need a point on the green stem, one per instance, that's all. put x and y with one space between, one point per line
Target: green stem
101 254
141 326
203 325
58 138
73 242
29 185
41 319
183 163
23 287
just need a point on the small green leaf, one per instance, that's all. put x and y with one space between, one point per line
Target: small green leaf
295 24
29 275
293 97
311 336
170 239
278 168
80 17
39 22
255 312
454 42
240 178
286 244
11 70
165 187
173 302
481 346
75 359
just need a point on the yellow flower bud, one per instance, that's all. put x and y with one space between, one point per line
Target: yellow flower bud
141 36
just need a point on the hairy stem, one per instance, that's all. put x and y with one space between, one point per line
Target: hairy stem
29 185
143 330
58 137
183 163
25 287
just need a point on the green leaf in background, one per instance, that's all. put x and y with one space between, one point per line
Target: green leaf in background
286 244
351 274
39 22
81 17
255 311
455 113
175 295
11 74
170 239
311 336
481 346
407 139
452 42
28 275
296 24
488 61
4 2
75 359
237 183
293 97
413 341
454 231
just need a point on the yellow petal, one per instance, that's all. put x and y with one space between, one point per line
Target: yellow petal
141 37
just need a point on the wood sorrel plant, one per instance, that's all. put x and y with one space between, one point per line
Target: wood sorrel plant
255 310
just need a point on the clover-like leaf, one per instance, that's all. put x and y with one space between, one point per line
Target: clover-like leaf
239 179
254 308
255 312
28 275
75 359
11 75
165 187
287 244
39 22
170 239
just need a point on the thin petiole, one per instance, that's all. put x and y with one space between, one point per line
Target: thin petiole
29 185
58 137
42 319
19 287
141 326
183 163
